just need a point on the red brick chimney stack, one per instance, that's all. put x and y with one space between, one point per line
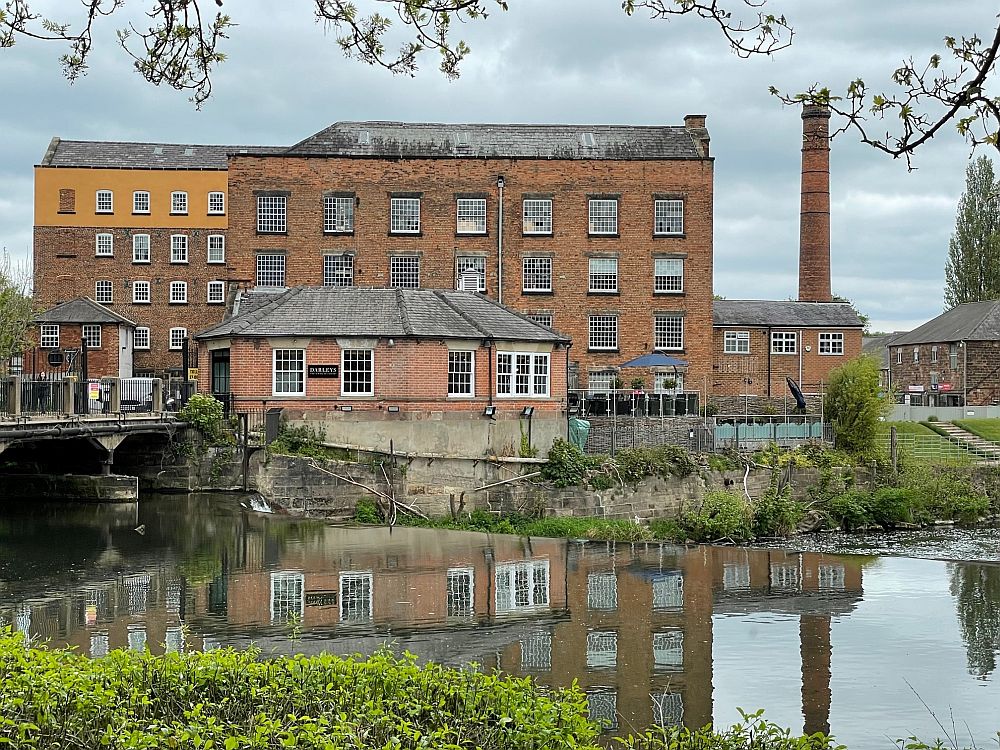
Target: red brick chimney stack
814 224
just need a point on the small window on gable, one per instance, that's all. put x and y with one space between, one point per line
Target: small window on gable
587 139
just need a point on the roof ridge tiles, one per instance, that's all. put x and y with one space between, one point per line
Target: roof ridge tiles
440 294
404 317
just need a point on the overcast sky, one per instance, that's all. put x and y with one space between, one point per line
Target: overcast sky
565 61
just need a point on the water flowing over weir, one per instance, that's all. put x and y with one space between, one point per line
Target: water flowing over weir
654 633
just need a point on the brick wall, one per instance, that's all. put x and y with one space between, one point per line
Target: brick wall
915 378
101 362
984 372
568 182
735 374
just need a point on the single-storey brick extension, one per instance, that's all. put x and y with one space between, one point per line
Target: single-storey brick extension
373 364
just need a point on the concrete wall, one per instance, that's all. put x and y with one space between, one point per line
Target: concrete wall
439 432
904 413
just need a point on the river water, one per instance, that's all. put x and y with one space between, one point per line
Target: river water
872 647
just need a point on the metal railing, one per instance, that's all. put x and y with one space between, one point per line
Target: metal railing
932 447
21 396
757 431
588 403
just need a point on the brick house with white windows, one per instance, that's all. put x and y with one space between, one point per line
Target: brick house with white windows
373 365
761 342
603 233
952 360
60 330
141 229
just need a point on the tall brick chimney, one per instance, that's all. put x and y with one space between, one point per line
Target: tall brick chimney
814 224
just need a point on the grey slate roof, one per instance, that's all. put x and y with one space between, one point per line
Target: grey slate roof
396 313
875 346
126 155
481 141
81 310
772 313
972 321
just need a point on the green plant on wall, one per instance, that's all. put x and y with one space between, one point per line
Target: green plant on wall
207 415
527 449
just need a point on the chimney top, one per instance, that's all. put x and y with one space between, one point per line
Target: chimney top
694 121
815 110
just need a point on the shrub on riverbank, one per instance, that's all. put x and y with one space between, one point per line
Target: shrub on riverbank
233 699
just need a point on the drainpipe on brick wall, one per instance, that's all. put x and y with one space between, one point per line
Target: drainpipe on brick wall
802 346
965 374
768 345
500 186
566 437
489 368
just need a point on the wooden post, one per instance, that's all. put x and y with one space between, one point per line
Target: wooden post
893 447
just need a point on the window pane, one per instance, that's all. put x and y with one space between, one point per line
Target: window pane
178 248
216 248
668 332
537 275
603 217
216 203
271 213
103 292
140 292
404 271
405 215
271 270
356 597
140 202
357 372
668 217
105 244
338 270
338 214
460 592
141 339
604 274
471 216
668 275
178 203
140 248
537 216
603 332
460 373
289 371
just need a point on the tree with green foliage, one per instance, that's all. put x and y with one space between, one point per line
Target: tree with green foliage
972 272
177 43
16 313
976 589
855 406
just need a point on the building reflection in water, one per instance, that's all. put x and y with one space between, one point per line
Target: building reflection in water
632 623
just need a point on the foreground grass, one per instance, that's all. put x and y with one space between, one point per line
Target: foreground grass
988 429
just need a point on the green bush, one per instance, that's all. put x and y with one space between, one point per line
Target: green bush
849 510
306 442
232 699
752 733
207 414
365 511
890 506
567 465
635 464
601 529
776 514
722 515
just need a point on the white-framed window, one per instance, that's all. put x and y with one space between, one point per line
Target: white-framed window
831 343
543 319
105 202
173 642
404 271
357 370
338 214
338 270
104 292
470 273
736 342
356 590
668 381
668 275
140 202
105 244
178 248
934 353
668 650
668 591
178 292
786 576
668 216
289 372
603 275
141 338
216 202
288 596
140 248
404 215
92 335
602 649
522 374
952 356
178 202
216 248
141 294
471 216
603 332
177 336
522 585
784 342
603 214
602 591
461 592
537 216
899 357
536 275
602 708
272 214
49 338
271 270
916 354
668 332
99 645
136 634
601 381
461 373
536 652
831 577
216 292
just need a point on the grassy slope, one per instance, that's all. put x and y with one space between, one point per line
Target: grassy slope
988 429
